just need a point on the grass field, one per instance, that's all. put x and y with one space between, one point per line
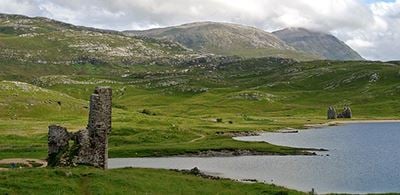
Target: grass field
123 181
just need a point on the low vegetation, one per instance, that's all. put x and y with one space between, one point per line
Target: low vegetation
159 113
123 181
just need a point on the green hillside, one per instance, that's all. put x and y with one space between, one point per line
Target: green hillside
182 104
29 46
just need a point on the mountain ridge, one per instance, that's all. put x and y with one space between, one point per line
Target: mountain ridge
211 26
164 45
225 39
247 41
318 43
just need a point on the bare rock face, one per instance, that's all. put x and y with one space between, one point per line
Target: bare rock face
90 145
331 112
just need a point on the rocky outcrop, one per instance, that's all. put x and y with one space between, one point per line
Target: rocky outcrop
90 145
331 112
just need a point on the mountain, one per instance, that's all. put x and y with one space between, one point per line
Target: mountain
33 46
317 43
41 40
48 46
224 39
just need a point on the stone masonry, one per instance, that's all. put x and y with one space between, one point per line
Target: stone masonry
331 112
90 145
346 113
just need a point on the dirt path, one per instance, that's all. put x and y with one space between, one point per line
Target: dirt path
197 139
25 161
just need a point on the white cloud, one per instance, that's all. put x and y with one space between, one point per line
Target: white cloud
372 29
380 39
359 43
19 7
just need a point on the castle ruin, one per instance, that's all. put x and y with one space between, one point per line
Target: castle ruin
88 146
331 112
346 113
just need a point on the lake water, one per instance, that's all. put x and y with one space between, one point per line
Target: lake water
362 158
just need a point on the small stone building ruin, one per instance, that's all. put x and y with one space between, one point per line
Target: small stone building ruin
346 113
331 112
88 146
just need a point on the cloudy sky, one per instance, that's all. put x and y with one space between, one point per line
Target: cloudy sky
371 27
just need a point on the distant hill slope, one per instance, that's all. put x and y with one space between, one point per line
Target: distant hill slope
318 43
44 41
225 39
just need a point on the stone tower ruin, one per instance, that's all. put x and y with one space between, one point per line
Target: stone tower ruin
331 112
90 145
346 113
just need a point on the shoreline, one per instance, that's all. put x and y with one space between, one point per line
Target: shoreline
310 151
246 152
241 152
343 122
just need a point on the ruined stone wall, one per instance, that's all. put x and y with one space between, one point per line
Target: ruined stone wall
58 143
331 112
90 145
346 113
